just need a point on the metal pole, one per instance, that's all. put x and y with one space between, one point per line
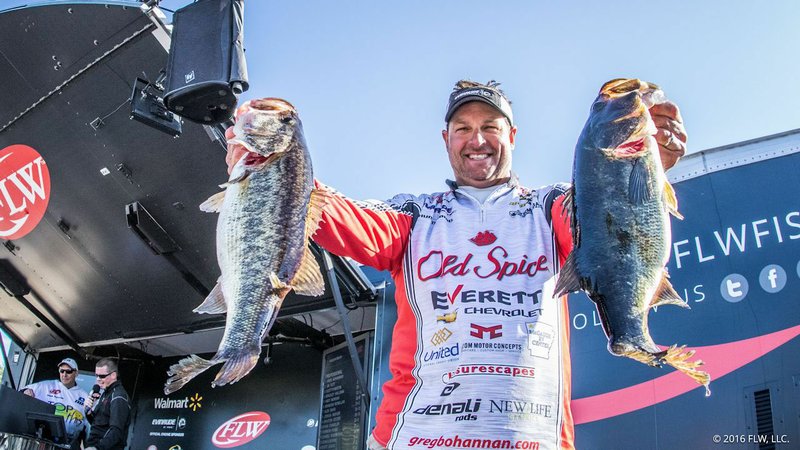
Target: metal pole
7 364
348 333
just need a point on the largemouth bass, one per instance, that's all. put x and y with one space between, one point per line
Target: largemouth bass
619 207
267 214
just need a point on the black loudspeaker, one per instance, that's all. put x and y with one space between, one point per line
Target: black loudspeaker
206 68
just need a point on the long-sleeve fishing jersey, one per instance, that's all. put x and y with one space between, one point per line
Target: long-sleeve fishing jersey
480 350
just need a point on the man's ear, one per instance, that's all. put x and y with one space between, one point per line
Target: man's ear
445 137
512 137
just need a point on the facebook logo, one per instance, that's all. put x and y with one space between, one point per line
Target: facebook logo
734 288
772 278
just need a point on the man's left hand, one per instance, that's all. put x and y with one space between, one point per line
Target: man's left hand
671 135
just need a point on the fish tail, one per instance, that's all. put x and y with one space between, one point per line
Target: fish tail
237 365
186 369
679 359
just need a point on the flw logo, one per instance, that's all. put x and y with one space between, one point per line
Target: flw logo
24 190
241 429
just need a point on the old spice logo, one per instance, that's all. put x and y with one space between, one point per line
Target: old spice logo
436 264
241 429
484 238
24 190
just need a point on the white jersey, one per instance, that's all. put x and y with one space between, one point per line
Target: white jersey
479 353
68 402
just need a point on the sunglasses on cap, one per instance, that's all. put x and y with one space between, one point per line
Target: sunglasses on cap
67 371
104 375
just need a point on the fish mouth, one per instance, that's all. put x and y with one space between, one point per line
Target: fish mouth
252 151
252 158
631 148
255 159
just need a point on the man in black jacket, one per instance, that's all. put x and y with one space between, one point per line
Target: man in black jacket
111 416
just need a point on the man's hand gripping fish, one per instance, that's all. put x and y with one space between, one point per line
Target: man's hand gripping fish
619 205
268 212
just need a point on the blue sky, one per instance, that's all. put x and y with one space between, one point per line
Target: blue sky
371 78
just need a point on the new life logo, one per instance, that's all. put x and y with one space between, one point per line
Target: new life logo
24 190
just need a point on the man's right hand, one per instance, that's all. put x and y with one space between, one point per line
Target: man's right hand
88 403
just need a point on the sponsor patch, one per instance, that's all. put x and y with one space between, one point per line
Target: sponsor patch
441 336
540 339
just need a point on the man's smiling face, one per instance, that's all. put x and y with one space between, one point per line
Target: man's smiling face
479 143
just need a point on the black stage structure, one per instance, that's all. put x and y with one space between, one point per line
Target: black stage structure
123 254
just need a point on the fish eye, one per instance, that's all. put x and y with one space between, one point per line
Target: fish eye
597 106
287 119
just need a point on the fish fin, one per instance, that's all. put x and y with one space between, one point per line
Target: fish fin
317 202
666 295
568 209
568 279
639 184
568 203
238 365
308 280
214 203
671 200
214 303
276 282
679 359
186 369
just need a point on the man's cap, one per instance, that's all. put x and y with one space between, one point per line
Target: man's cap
482 94
70 362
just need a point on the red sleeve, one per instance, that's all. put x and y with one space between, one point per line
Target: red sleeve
561 229
372 233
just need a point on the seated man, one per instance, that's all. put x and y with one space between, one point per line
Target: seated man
67 397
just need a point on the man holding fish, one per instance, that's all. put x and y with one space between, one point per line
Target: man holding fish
480 350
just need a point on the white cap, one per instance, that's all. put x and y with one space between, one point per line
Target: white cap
70 362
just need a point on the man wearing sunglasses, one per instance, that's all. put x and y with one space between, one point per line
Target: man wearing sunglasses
472 264
110 416
67 397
